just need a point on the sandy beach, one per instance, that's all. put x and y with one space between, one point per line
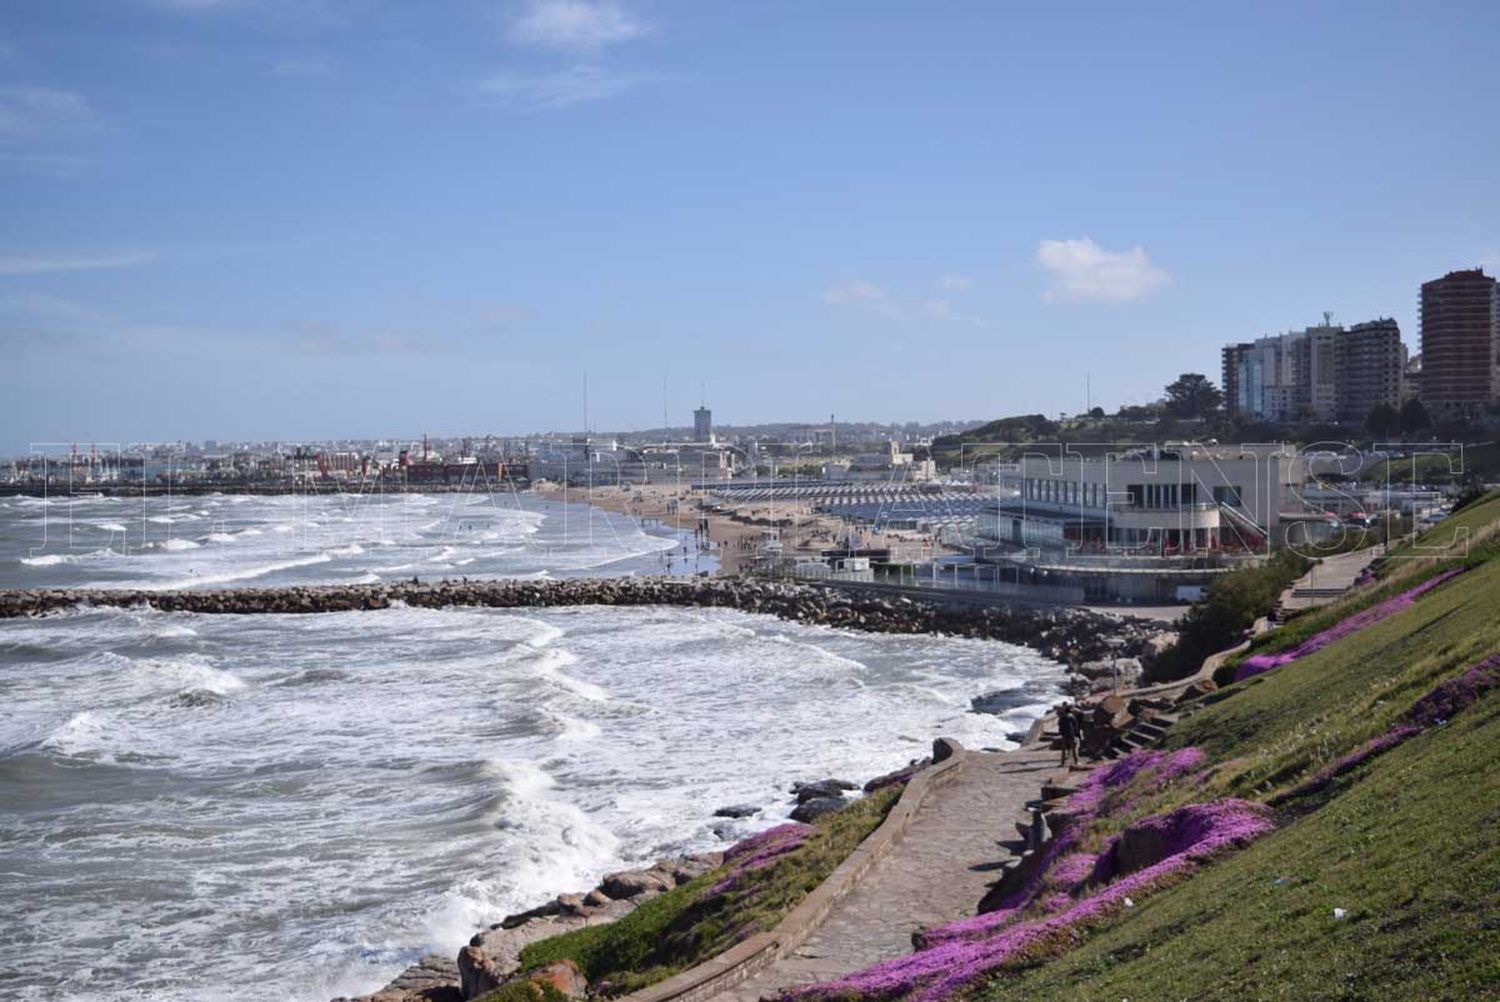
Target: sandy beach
736 542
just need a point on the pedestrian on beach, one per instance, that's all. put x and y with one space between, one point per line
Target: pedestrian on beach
1071 729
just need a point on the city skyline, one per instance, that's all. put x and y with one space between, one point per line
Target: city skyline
264 220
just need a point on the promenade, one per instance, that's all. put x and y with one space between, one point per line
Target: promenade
942 866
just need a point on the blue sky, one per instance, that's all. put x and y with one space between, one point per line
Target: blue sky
315 218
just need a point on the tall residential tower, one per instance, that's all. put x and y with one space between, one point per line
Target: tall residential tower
1460 343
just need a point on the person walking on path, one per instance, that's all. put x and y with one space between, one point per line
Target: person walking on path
1071 729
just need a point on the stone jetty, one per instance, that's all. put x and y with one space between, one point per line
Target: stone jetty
1070 635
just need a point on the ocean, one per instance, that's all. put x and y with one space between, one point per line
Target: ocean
296 807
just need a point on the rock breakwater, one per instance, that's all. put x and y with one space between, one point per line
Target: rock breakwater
1069 635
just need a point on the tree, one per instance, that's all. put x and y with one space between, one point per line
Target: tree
1414 417
1383 420
1097 413
1193 396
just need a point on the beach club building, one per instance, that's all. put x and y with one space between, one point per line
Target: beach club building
1150 524
1169 500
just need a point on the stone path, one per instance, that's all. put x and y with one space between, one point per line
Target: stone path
943 865
1328 580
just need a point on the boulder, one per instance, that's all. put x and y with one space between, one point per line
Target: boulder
564 976
811 810
570 904
431 979
628 884
737 811
944 749
823 788
478 972
596 898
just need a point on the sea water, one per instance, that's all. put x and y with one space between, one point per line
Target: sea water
297 806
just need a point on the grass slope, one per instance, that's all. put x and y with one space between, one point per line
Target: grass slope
1408 843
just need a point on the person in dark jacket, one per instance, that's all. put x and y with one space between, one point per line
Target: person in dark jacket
1070 726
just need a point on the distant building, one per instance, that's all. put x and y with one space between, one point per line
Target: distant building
1317 371
703 425
1460 338
1411 383
1264 377
1371 361
1323 373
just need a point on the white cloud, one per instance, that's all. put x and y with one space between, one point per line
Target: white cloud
42 264
51 164
194 4
558 88
861 294
857 291
956 283
1081 269
301 68
575 24
32 109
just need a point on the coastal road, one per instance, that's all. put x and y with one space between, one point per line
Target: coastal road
937 873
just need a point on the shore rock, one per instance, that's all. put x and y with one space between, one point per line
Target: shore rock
822 789
431 979
811 810
630 884
737 811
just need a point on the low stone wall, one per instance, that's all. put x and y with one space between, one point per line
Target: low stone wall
1070 635
755 954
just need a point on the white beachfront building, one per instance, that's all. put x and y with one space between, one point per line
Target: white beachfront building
1170 500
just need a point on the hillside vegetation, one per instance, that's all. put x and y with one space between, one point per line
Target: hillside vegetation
1405 842
1326 828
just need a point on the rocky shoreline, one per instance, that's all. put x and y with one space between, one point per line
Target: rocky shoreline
492 957
1072 636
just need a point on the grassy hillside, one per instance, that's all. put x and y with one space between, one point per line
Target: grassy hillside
1406 843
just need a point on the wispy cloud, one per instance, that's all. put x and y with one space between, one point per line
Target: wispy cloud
575 24
558 88
193 4
53 164
858 291
863 294
955 283
25 110
42 264
293 69
1081 269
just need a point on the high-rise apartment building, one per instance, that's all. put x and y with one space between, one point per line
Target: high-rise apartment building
1371 362
1460 342
703 425
1323 373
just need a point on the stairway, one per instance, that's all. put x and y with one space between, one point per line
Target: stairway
1144 733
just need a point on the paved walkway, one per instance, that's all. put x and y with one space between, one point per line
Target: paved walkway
943 865
1328 580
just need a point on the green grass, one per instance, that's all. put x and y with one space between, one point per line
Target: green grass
688 924
1409 851
1408 843
1442 465
1453 537
524 991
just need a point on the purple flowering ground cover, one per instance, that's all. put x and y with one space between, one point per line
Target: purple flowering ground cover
1260 663
1434 709
1071 888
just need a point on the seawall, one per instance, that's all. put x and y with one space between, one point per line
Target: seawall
1065 634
